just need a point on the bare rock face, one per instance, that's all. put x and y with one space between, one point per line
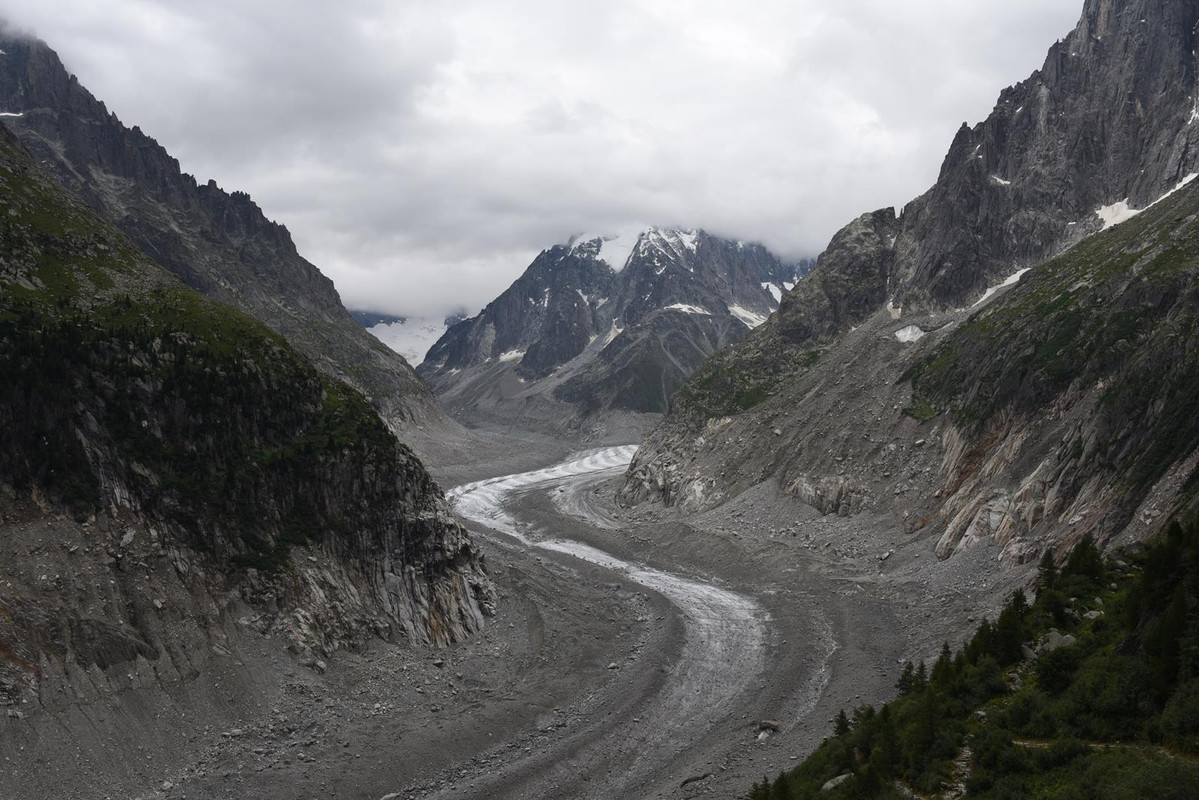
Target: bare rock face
850 284
603 324
1110 118
905 376
546 318
220 243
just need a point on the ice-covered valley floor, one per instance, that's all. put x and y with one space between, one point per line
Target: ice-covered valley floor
723 653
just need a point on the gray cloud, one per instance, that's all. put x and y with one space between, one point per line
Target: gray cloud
422 152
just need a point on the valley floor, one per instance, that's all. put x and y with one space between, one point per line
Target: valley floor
577 687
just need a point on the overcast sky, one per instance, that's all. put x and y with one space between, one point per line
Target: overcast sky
423 151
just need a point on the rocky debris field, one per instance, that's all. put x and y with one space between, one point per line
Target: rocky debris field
577 660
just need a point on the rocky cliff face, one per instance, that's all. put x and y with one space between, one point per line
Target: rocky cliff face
1109 119
1040 412
220 243
168 464
607 324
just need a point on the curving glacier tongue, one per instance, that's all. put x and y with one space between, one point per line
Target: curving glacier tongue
724 649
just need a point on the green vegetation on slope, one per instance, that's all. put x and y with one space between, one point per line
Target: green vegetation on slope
737 379
116 379
1109 709
1117 318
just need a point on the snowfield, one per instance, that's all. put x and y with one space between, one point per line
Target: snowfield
412 338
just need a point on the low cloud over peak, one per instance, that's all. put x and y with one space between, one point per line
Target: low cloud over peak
422 153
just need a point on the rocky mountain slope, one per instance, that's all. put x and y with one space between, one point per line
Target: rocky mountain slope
929 387
607 323
220 243
174 475
1107 123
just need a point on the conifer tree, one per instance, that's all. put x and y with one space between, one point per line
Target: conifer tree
1047 572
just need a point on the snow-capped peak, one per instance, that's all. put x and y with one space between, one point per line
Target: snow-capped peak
669 243
672 238
613 249
616 249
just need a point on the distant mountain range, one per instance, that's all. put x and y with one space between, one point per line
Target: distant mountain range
412 337
607 323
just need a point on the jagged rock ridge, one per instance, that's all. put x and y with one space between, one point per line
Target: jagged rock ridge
609 322
1032 422
1110 118
220 243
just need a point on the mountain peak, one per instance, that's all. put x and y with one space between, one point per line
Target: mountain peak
616 248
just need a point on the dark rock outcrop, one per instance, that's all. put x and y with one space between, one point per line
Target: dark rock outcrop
220 243
851 282
546 318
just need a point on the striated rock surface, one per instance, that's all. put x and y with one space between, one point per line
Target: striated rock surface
608 323
169 465
220 243
918 371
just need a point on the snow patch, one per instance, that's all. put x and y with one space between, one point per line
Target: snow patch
775 291
411 338
673 245
612 334
689 239
686 309
12 113
512 355
1008 281
895 311
1116 213
788 285
912 333
1001 181
614 249
750 318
